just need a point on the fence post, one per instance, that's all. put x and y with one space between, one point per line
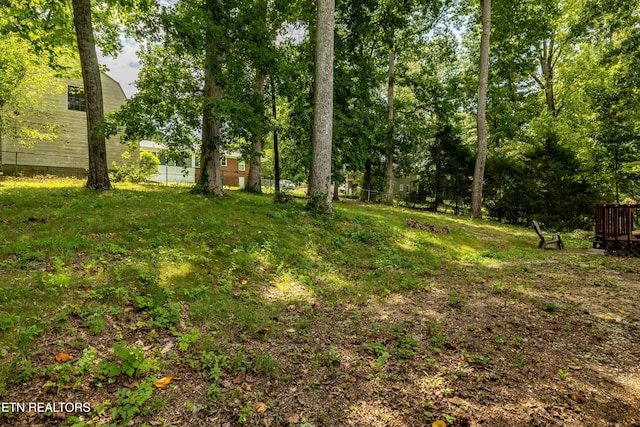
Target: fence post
15 168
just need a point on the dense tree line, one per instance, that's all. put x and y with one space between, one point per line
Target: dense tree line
540 96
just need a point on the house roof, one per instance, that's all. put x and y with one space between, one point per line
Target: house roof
116 82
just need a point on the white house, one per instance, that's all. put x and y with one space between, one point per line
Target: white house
170 171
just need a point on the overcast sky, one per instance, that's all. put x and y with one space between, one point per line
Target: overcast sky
124 69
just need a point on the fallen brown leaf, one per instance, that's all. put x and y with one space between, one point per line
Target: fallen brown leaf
239 379
261 407
163 381
439 423
63 357
577 398
245 386
455 401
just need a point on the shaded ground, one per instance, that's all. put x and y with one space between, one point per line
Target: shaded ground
497 340
561 348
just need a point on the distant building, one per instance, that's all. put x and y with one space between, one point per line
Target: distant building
234 170
171 171
68 154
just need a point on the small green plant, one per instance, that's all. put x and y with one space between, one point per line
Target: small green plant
166 316
457 299
129 402
130 172
214 363
551 307
129 362
405 345
449 418
21 371
318 203
95 323
282 197
428 407
381 353
187 339
500 339
476 358
563 374
245 415
521 363
264 364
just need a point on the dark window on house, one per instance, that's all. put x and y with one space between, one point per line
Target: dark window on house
76 100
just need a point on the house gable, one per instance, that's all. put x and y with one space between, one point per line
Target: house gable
68 153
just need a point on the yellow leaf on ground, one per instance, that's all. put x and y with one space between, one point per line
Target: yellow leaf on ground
163 382
439 423
63 357
577 398
261 407
245 386
128 309
244 282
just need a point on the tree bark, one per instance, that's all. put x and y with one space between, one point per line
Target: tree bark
481 119
276 150
547 63
98 173
210 175
254 183
390 127
320 175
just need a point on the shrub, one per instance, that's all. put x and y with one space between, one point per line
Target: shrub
136 173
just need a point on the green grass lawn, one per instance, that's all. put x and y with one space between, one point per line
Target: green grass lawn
243 299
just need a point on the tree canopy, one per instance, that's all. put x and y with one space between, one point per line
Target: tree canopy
561 87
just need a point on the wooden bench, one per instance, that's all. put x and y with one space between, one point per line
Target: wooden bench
547 239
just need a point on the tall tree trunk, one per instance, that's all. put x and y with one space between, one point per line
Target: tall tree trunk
390 128
336 191
483 83
254 185
547 63
320 182
276 150
548 57
210 177
98 173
